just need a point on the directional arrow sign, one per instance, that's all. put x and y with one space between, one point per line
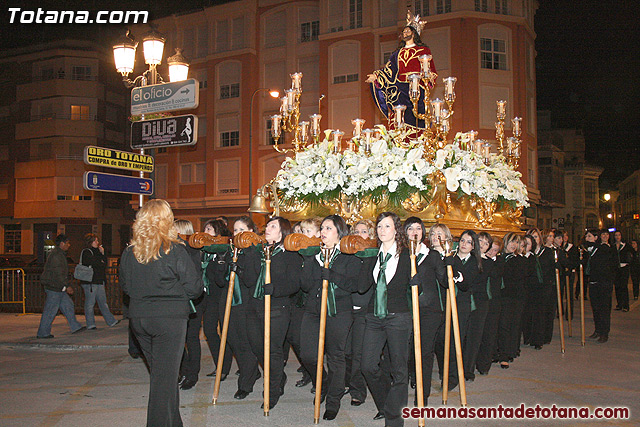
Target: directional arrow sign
174 96
98 181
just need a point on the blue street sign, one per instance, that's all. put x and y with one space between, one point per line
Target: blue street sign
99 181
182 95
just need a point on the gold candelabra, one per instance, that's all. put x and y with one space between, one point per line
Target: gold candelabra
288 120
510 150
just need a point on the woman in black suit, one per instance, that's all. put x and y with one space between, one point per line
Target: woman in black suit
600 264
533 314
238 337
388 319
285 279
342 276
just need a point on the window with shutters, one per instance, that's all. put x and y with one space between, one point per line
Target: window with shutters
309 31
228 131
355 14
443 6
421 7
275 31
493 54
481 5
335 19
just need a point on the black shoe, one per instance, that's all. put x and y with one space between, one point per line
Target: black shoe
603 339
379 416
300 369
313 390
504 365
238 372
133 355
538 347
356 402
303 382
625 310
271 404
594 335
329 415
483 373
618 308
83 328
346 391
452 385
187 384
241 394
181 379
470 379
222 378
322 397
46 337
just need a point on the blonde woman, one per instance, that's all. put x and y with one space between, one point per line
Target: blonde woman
160 279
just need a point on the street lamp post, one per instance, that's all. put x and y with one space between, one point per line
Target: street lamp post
274 94
124 55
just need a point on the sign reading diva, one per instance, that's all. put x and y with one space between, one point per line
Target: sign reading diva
99 156
165 132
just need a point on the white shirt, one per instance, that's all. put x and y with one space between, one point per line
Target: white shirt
622 245
392 264
424 250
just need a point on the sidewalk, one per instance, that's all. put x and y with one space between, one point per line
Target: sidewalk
89 379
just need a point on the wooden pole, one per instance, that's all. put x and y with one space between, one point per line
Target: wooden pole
267 335
447 347
321 337
560 317
456 337
225 330
582 299
568 292
417 344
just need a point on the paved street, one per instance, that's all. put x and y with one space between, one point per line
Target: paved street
88 379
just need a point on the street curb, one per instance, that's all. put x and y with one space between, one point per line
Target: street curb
67 347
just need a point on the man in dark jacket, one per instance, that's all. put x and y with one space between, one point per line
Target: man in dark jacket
55 279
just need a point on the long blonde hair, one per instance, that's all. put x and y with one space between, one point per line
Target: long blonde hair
153 229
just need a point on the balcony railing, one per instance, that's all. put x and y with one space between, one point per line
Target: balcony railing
64 76
54 116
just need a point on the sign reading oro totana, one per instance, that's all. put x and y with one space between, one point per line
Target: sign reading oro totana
106 157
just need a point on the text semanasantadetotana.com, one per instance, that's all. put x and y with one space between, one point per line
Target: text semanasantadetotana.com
41 16
519 412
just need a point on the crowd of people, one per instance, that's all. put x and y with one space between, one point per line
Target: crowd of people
506 295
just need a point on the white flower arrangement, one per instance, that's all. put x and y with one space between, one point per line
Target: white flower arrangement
318 173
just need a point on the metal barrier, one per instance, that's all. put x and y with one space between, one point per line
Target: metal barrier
12 287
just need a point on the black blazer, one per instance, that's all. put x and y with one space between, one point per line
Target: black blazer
470 280
600 264
548 264
285 274
397 288
514 277
221 272
344 273
433 279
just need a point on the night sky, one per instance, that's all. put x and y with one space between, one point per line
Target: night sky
587 66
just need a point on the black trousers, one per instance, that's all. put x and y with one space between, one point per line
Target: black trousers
255 330
533 321
238 339
430 324
162 342
471 344
635 279
508 332
294 335
550 293
489 344
212 316
337 330
464 311
600 297
622 287
389 394
354 378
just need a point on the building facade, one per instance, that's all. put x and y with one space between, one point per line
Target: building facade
58 98
240 49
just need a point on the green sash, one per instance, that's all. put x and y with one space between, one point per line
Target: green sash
331 289
380 303
259 292
206 259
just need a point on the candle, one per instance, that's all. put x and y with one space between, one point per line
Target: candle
399 115
449 84
472 134
437 105
502 107
291 98
511 145
367 140
337 140
284 105
304 131
486 147
425 61
296 81
315 124
275 126
477 146
516 121
357 127
414 80
445 125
